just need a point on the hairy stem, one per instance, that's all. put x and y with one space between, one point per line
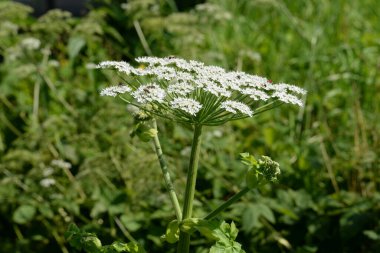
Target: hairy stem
184 238
165 172
226 204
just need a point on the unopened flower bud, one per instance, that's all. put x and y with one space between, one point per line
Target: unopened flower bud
269 168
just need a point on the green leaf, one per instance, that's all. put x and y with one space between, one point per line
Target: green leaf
221 232
91 243
24 214
371 235
248 159
75 45
172 232
46 210
208 228
131 223
131 247
233 231
251 178
226 235
234 247
71 230
266 212
120 247
189 225
253 212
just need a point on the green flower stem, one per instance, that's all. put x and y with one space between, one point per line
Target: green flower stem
226 204
165 172
184 238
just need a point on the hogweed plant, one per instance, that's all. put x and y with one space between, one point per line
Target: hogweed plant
193 93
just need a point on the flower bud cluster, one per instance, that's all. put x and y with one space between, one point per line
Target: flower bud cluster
260 171
268 168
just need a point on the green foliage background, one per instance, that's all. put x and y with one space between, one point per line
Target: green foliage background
328 197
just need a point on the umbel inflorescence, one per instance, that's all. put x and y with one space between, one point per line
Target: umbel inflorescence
192 92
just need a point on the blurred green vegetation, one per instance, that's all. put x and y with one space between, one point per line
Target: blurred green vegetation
66 154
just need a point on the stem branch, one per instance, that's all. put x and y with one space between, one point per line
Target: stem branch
165 172
226 204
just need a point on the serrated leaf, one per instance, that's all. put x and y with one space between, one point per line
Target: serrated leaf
223 233
234 247
233 231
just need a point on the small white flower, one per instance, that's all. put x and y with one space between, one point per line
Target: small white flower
213 88
7 28
162 72
234 106
47 182
180 63
184 76
13 53
186 104
113 91
181 88
255 94
149 93
288 87
217 133
47 171
121 66
61 164
287 98
53 63
31 43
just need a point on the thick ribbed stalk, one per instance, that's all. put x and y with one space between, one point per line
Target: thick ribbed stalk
166 174
226 204
184 238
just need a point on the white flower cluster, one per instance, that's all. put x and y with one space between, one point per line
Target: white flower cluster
186 104
149 93
234 106
206 93
181 88
113 91
61 164
31 43
47 182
